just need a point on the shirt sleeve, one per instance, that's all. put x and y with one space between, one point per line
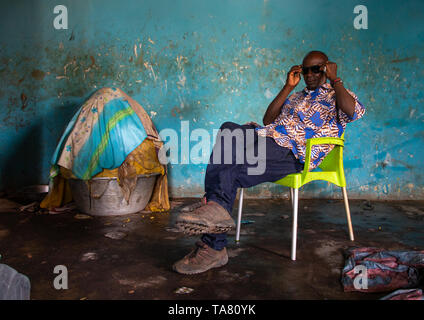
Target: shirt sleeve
359 110
287 107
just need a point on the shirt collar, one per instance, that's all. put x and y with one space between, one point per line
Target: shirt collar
324 87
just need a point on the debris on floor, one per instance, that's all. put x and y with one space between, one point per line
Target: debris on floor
82 216
89 256
32 207
150 282
183 290
64 209
413 212
366 205
115 235
255 214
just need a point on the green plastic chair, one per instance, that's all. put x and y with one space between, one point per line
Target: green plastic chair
332 171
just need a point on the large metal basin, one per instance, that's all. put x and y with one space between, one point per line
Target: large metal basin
106 199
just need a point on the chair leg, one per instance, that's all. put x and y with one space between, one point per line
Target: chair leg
349 221
240 208
291 197
294 228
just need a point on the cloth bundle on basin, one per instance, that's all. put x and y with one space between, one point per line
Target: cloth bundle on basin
110 136
385 270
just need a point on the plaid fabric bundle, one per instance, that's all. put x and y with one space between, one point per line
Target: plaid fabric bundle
407 294
384 270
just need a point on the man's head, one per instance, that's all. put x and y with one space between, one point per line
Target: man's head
314 76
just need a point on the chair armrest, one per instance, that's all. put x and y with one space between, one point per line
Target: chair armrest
324 140
317 141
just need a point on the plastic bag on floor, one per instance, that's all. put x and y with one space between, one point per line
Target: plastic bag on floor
385 270
13 285
408 294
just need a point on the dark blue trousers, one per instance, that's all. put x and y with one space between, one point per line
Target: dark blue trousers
223 179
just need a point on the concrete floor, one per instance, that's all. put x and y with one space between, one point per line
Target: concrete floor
138 266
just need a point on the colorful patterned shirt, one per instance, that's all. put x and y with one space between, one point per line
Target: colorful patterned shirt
310 114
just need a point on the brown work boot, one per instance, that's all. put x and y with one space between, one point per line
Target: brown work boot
209 218
201 259
194 206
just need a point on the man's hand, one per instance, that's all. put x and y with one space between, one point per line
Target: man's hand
293 77
330 70
343 98
274 109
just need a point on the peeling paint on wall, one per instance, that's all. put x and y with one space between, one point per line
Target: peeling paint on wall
211 62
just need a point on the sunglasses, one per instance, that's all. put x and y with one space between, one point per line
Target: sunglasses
314 69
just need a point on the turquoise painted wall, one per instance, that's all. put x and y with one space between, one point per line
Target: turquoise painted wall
207 62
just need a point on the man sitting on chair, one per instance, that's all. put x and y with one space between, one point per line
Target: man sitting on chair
320 110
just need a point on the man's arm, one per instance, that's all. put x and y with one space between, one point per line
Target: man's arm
274 109
343 98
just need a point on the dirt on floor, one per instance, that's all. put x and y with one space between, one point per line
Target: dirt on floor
131 256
